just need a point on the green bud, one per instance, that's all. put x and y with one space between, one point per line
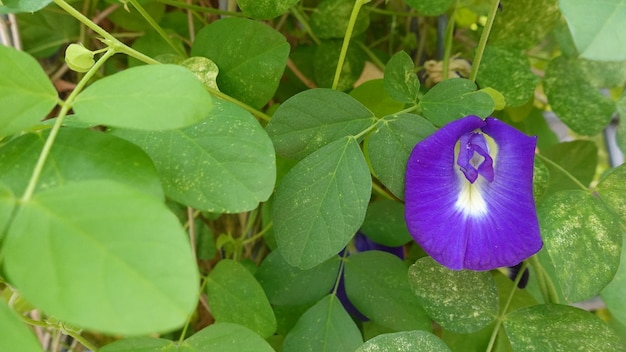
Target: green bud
79 58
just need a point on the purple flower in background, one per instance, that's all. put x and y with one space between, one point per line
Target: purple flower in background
469 195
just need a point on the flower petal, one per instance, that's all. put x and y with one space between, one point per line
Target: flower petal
480 226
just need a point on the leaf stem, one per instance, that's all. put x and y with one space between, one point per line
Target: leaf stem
482 43
562 170
108 39
156 27
65 107
502 314
346 40
449 34
295 11
250 109
548 290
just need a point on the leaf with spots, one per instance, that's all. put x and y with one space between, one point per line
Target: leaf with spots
508 72
225 163
314 118
321 203
584 239
400 80
391 144
612 189
235 296
251 57
376 285
573 98
415 341
554 327
511 25
265 9
460 301
452 99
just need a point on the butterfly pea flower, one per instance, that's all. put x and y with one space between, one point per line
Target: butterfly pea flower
469 195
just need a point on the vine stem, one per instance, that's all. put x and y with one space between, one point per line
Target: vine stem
482 43
500 318
562 170
107 38
156 27
65 107
346 40
449 34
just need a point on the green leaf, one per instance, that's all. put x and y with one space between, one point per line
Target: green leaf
471 296
604 74
574 100
521 24
44 32
312 119
390 145
415 341
225 337
26 93
235 296
139 344
7 204
507 71
205 69
326 59
250 55
13 332
541 179
584 241
384 223
374 97
151 97
265 9
579 158
614 293
594 26
454 98
430 7
78 155
16 6
331 18
324 327
612 190
225 163
553 327
132 20
104 251
288 285
400 79
376 284
321 203
152 44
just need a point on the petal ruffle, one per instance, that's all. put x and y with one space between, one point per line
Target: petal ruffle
478 226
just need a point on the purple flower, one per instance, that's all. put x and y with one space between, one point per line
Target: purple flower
469 195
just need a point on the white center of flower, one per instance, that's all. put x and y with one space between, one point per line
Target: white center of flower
470 201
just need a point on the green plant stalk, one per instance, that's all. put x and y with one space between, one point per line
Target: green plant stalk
548 290
246 107
66 106
184 331
107 38
482 43
562 170
448 43
295 11
183 5
500 317
156 27
346 40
